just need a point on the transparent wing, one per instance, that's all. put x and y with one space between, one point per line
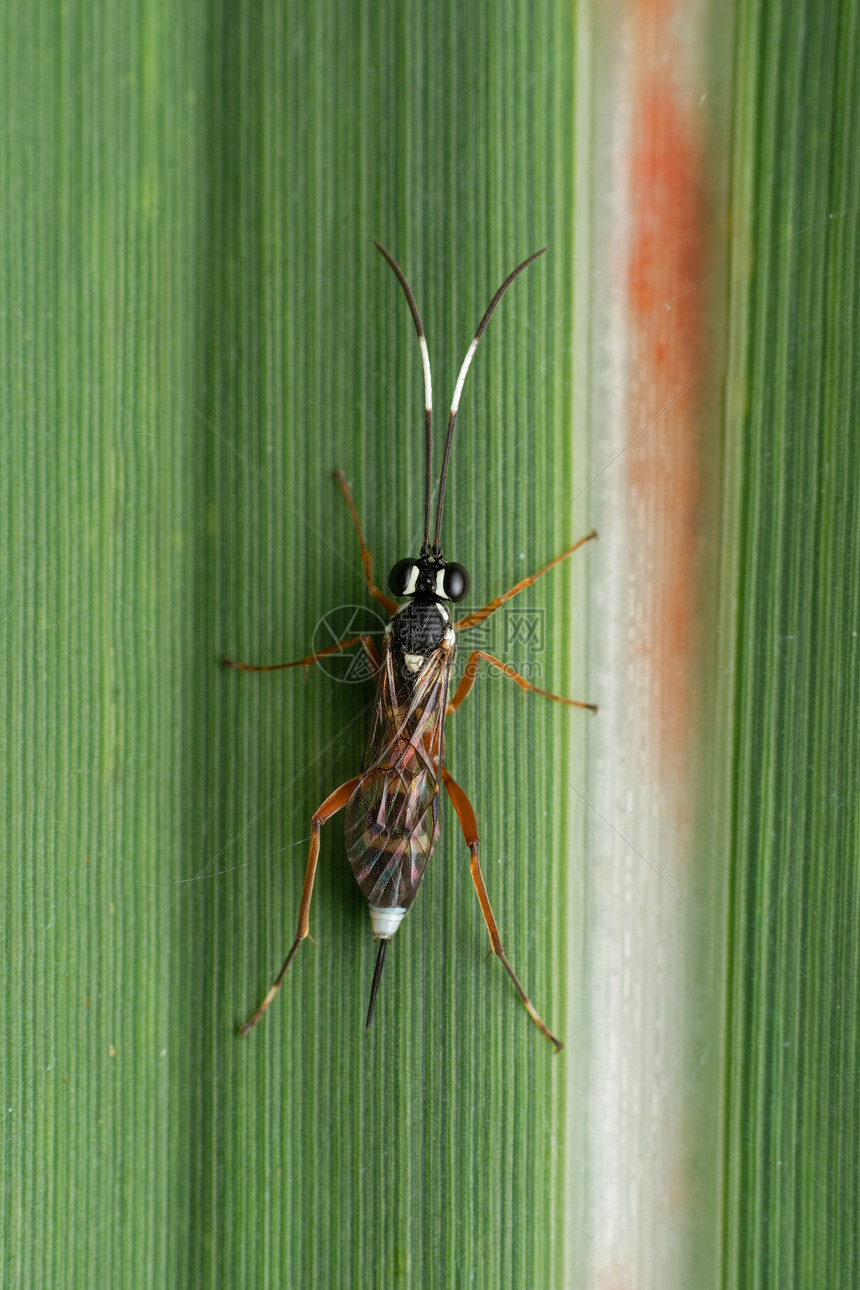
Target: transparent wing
392 818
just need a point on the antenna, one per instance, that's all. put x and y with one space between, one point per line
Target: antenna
458 388
428 394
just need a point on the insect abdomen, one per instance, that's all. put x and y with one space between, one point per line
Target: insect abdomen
392 826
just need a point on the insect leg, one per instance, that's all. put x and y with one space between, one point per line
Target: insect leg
366 641
366 558
468 680
481 615
469 825
335 802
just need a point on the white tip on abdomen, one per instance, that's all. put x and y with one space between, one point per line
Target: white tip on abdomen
385 922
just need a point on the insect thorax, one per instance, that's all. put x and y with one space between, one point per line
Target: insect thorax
419 628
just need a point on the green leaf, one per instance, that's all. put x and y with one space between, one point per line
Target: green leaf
791 1089
196 332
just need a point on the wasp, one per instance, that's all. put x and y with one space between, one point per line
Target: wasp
392 819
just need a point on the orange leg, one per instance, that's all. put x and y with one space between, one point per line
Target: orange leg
481 615
335 802
366 641
366 558
468 680
469 825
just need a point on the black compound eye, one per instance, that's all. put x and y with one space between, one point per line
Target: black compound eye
400 577
455 582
